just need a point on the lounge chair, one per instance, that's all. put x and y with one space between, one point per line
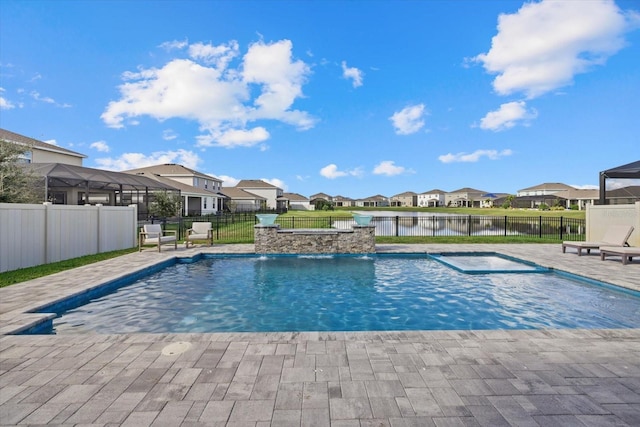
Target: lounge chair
152 234
616 235
199 231
627 253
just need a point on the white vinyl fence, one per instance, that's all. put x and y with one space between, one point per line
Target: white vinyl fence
599 217
40 234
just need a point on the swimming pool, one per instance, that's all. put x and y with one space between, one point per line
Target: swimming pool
346 293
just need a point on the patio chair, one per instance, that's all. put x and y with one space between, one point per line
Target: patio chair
199 231
626 252
152 234
615 236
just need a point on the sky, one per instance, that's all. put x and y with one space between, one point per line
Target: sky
353 98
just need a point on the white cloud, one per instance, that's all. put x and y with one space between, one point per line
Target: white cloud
585 187
475 156
169 134
277 182
227 181
507 116
100 146
139 160
331 172
5 104
47 100
352 73
235 138
408 120
545 44
220 56
388 167
220 98
51 141
174 44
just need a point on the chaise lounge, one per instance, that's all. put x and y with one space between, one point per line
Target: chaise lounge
199 231
615 236
152 234
627 253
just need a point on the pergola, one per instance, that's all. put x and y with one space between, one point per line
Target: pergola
628 171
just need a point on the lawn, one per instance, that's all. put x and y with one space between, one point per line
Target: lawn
16 276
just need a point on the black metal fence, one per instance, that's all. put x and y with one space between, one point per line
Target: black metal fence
239 227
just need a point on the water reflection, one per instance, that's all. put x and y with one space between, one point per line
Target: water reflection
390 223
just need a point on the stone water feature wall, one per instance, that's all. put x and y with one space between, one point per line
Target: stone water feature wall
270 239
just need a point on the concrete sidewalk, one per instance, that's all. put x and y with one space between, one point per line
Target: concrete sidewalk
416 378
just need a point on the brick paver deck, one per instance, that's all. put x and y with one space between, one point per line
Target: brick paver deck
415 378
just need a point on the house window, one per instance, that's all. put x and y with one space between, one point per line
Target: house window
204 206
24 157
195 181
206 183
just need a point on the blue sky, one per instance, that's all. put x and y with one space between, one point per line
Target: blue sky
351 98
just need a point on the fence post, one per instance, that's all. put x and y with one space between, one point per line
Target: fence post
505 225
561 228
469 226
540 227
397 225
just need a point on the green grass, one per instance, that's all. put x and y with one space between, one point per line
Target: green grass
29 273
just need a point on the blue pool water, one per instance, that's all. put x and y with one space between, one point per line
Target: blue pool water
347 293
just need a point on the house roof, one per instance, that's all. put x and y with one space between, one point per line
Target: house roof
434 191
172 169
468 190
556 186
254 183
376 197
240 194
63 175
16 138
623 192
320 196
406 194
341 198
184 188
295 197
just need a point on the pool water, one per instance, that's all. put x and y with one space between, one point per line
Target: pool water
346 293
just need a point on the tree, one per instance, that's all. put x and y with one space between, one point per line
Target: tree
17 183
165 205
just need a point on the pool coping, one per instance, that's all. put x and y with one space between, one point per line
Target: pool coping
24 316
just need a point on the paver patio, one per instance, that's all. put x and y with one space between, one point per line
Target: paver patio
414 378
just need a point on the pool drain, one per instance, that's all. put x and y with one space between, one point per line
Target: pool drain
176 348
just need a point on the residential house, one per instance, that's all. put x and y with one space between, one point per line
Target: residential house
465 197
406 199
200 192
373 201
342 201
65 181
42 152
624 195
271 193
431 199
320 196
555 193
298 202
239 200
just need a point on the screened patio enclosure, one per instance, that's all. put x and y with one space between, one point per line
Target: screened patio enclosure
628 190
77 185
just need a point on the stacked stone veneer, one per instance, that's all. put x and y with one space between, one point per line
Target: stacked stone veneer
270 239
